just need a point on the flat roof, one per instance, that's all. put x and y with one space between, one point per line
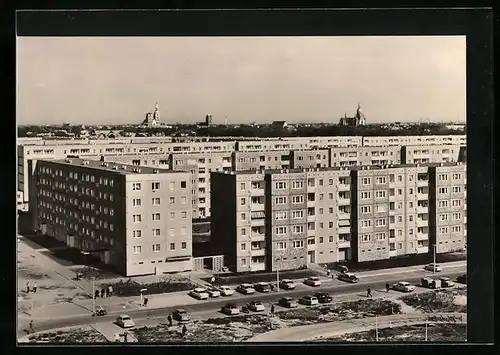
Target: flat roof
120 168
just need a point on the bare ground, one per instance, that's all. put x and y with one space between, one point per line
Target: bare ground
73 335
445 300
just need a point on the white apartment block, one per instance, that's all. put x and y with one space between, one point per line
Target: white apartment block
459 139
422 154
136 218
364 156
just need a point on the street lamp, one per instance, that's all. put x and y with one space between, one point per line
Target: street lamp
434 253
93 295
376 328
141 292
278 275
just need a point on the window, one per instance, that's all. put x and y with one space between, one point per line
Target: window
281 215
365 195
456 189
155 186
243 231
172 232
365 237
156 247
136 233
298 229
280 200
410 231
183 200
183 245
297 184
443 217
243 262
280 185
137 217
456 176
366 223
456 229
243 201
171 185
410 177
379 194
172 246
111 227
280 230
320 211
443 190
456 203
366 181
443 177
243 246
156 232
183 214
297 214
457 216
321 239
297 199
281 245
381 180
330 196
243 216
443 230
330 239
183 184
155 216
243 186
298 243
380 236
410 204
172 215
155 201
380 222
443 203
136 186
330 182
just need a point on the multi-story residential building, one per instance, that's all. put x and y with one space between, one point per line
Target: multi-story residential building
322 215
135 218
312 158
354 156
422 154
448 217
458 139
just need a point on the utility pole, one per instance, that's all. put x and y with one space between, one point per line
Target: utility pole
426 330
93 295
376 328
434 252
278 279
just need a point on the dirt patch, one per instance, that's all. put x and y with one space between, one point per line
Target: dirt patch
77 335
88 273
28 274
132 288
438 301
409 333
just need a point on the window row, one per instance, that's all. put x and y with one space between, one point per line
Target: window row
137 186
156 232
137 249
156 216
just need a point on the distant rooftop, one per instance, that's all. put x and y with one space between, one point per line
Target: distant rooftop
118 168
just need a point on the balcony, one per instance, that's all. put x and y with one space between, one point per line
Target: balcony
342 201
344 230
422 182
311 218
311 232
422 209
422 196
344 187
311 203
257 192
258 252
257 267
257 237
393 253
422 250
422 222
344 244
343 216
257 207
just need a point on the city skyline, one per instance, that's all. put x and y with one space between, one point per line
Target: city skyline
244 79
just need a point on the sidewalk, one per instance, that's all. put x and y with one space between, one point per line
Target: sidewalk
315 331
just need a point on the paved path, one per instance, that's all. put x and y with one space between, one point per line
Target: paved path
331 329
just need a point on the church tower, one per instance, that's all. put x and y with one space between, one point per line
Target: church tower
156 114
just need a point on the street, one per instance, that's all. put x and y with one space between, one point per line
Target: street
211 307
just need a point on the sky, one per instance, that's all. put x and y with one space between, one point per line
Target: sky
117 80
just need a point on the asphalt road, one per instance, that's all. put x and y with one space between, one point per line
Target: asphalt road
376 283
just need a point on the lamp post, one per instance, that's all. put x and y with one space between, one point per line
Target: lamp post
434 254
426 330
376 328
277 275
93 295
141 292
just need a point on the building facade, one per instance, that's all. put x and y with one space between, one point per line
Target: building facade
135 218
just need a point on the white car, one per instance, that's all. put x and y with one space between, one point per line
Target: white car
199 293
256 306
313 281
309 300
125 321
212 292
433 267
226 291
446 282
287 284
245 289
403 286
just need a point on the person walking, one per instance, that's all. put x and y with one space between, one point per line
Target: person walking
272 310
103 293
27 287
32 329
170 320
34 286
212 280
387 287
369 292
272 287
96 294
328 273
145 301
184 330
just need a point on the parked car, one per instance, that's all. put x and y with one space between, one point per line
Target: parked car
347 277
199 293
287 284
323 297
287 302
256 306
245 289
213 292
125 321
446 282
230 309
403 286
309 300
313 281
433 267
430 283
181 315
462 279
263 287
226 291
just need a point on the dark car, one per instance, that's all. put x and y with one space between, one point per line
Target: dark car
288 302
462 279
181 315
323 297
263 287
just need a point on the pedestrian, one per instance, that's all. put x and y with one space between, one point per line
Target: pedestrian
184 330
333 276
328 273
272 287
110 290
212 280
272 310
369 292
117 337
387 287
170 320
27 287
145 301
103 293
125 336
32 329
96 294
34 286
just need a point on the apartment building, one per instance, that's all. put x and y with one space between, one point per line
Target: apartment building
422 154
135 218
354 156
321 215
448 217
458 139
312 158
